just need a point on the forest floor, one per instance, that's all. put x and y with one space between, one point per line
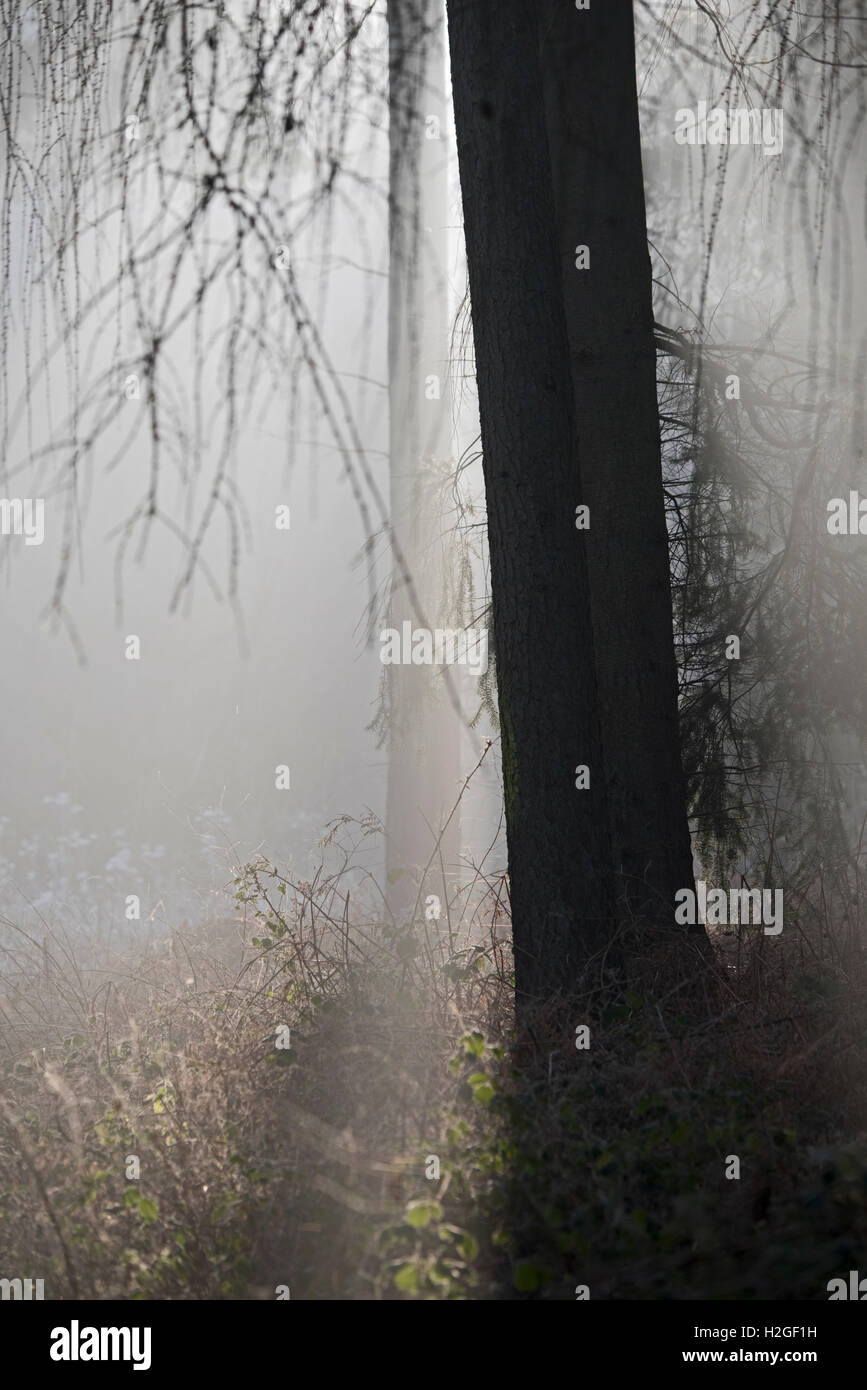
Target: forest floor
290 1105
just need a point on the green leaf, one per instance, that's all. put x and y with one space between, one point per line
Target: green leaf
468 1246
483 1089
419 1214
439 1278
148 1210
406 1279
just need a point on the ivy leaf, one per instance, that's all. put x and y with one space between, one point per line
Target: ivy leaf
148 1210
420 1214
406 1279
483 1088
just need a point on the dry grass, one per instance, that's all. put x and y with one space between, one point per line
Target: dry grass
310 1166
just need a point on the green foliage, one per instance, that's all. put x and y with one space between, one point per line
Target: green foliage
610 1172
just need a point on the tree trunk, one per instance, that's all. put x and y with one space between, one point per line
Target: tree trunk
424 729
587 59
558 844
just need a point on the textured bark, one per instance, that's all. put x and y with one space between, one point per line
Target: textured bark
423 724
559 854
587 60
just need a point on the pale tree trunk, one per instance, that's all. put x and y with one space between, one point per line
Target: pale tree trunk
424 728
558 844
587 61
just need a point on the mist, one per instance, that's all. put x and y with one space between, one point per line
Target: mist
431 841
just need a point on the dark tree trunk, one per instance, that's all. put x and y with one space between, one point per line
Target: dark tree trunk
587 60
559 853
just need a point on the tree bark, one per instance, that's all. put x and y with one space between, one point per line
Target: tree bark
558 842
587 60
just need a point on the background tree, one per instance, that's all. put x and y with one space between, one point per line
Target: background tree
422 715
761 427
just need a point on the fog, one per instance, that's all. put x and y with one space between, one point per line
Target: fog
263 961
156 776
